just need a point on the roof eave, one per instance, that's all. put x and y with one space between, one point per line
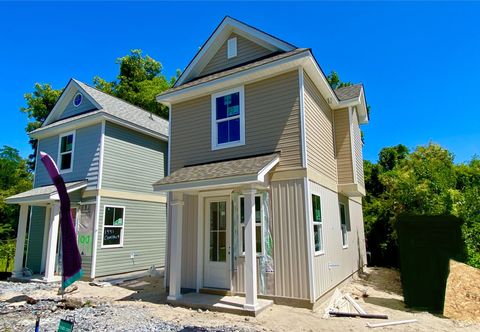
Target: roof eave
239 78
360 103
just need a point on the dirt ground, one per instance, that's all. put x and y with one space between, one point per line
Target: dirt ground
381 285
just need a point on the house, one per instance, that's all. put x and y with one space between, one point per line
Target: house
265 173
109 152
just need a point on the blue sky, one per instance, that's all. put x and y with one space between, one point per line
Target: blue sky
419 62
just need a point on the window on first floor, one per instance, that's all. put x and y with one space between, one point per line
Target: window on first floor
65 152
113 223
343 225
317 223
258 224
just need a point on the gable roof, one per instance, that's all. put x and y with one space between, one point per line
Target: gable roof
107 105
349 92
218 38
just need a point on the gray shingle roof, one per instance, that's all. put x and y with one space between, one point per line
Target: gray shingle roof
118 108
349 92
235 70
42 192
222 169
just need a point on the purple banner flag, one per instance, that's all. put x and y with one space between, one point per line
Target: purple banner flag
71 259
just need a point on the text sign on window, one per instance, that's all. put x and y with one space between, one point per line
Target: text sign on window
113 226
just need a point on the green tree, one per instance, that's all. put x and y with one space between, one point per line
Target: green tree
39 104
140 80
15 177
335 81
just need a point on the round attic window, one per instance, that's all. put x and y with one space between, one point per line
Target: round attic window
77 100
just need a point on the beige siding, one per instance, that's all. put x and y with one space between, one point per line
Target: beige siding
343 261
358 146
247 51
290 239
189 241
272 123
343 146
319 131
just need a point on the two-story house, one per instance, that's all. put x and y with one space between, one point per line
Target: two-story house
265 173
109 152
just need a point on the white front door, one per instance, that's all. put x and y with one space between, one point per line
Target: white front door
217 243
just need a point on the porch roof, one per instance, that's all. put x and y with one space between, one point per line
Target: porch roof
43 194
249 170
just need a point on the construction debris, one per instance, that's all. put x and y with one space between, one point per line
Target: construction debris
355 304
353 314
393 322
462 294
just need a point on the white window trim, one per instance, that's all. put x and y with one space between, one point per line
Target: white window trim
106 246
215 145
59 159
232 48
344 246
240 226
74 97
314 223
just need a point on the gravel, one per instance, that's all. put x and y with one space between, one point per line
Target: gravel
17 315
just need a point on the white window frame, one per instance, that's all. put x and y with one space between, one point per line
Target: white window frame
317 223
122 232
60 154
241 116
75 97
232 48
340 204
241 226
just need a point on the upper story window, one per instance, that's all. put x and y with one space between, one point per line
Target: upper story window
232 48
77 100
65 152
228 119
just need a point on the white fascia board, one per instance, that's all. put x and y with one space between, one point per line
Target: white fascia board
243 77
207 184
43 199
220 35
316 74
90 120
264 171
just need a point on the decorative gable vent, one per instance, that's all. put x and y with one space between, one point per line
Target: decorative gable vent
232 48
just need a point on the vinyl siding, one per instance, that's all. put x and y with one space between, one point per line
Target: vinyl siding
132 161
71 110
86 157
144 235
358 146
319 131
272 123
344 261
189 241
35 238
247 51
290 239
343 146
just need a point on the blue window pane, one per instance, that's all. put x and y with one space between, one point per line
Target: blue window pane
234 130
221 108
222 132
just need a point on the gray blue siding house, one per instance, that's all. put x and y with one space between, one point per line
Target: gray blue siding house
109 152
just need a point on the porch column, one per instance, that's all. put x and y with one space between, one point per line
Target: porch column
176 247
52 243
20 246
250 251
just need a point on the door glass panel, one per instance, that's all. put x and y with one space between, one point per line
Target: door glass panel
218 231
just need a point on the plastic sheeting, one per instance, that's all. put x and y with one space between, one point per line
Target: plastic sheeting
266 266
